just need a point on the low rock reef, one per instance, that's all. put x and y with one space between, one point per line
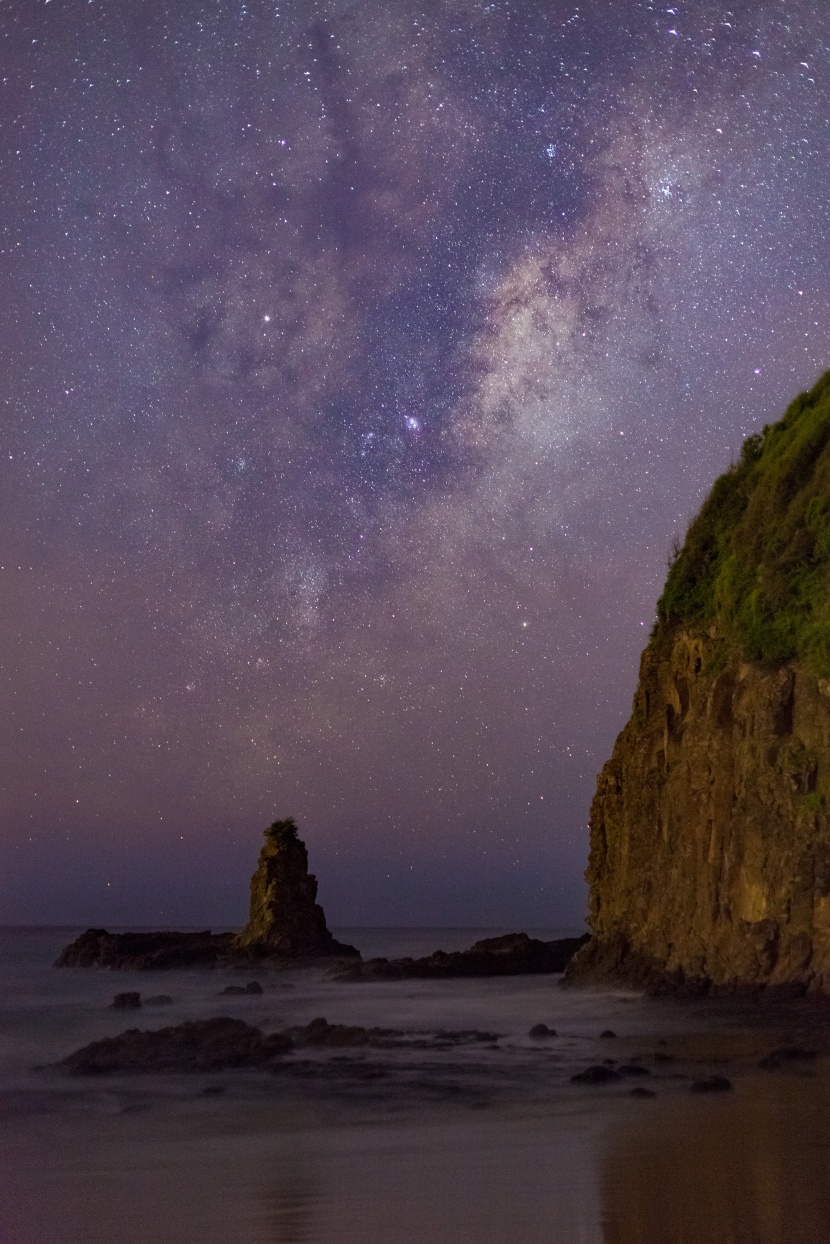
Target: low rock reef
223 1044
515 954
97 948
205 1045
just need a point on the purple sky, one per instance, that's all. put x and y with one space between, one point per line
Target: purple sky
361 362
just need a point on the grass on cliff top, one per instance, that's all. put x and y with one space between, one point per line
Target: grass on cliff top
756 560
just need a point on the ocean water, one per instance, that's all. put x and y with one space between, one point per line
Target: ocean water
438 1143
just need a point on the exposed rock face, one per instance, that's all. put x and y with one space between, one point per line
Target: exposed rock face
710 847
710 833
285 919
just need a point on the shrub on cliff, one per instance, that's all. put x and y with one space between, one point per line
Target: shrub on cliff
281 833
756 560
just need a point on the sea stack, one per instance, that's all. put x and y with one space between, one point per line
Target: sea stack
285 919
285 923
710 829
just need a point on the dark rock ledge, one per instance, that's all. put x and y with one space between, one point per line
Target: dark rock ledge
515 954
224 1044
96 948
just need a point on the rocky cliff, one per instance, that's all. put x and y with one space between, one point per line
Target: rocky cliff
710 829
285 918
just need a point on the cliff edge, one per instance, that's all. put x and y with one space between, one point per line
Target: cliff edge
709 862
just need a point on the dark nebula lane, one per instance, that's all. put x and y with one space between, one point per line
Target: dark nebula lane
360 364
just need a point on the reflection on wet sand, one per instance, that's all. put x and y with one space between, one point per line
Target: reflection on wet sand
293 1202
750 1168
507 1181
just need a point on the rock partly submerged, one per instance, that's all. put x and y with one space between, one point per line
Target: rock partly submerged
130 1001
223 1044
146 951
286 923
709 867
515 954
206 1045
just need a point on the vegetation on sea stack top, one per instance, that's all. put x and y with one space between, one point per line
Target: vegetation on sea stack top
281 833
756 560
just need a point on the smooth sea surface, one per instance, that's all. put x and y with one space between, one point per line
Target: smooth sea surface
487 1142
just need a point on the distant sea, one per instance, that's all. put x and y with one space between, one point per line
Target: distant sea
480 1141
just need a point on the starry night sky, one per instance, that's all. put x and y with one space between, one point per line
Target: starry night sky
361 361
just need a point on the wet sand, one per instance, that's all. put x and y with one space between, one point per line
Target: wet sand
753 1168
749 1168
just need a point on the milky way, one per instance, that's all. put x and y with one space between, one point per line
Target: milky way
361 363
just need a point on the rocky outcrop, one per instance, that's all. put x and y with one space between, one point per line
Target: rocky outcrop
710 829
145 951
222 1044
285 919
241 991
130 1001
285 922
515 954
206 1045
